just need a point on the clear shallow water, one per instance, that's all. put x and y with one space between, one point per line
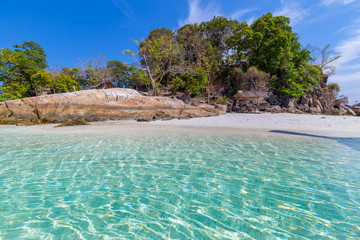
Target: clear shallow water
177 186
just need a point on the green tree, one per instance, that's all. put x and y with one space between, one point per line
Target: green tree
198 53
335 88
20 69
194 83
139 79
255 80
217 32
98 72
120 72
66 80
158 54
270 45
192 45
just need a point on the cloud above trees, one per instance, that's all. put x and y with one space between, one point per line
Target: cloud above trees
200 12
293 10
330 2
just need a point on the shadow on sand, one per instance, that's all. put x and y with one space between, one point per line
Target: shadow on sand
353 143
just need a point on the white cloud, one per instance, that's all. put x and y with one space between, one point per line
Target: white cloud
349 85
348 65
251 20
350 51
124 7
240 13
330 2
293 10
198 13
201 12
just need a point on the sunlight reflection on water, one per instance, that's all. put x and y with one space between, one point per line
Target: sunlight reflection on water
177 186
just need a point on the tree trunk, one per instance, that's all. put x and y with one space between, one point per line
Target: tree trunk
208 91
153 83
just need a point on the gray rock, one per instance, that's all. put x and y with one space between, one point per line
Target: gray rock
303 108
341 102
318 105
304 100
291 110
332 111
263 106
290 103
222 107
315 110
297 111
356 110
276 109
351 112
310 102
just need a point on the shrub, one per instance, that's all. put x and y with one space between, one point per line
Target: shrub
194 83
222 100
334 87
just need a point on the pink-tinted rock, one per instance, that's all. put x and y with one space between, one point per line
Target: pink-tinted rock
99 105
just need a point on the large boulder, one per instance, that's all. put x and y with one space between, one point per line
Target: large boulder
341 101
345 110
263 106
315 110
99 105
304 101
317 104
274 109
18 112
291 103
332 111
356 110
303 107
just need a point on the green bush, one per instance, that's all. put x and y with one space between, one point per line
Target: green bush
222 100
334 87
194 83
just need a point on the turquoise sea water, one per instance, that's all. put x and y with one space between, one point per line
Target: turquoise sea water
177 186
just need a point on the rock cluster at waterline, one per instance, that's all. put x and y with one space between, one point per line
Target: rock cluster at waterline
99 105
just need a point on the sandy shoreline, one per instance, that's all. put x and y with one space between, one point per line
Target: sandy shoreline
334 126
329 126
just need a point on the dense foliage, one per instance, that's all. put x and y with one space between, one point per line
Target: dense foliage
229 52
270 45
217 57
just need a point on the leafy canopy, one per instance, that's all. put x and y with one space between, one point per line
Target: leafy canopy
23 74
270 45
19 69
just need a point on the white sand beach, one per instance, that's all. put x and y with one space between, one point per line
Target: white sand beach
235 123
339 126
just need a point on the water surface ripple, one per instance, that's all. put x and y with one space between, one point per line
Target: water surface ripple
177 186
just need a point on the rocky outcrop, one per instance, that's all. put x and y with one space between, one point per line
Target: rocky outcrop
356 110
99 105
315 104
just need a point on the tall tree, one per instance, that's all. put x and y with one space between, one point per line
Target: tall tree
198 53
158 54
20 69
65 80
217 31
121 73
98 72
270 45
192 45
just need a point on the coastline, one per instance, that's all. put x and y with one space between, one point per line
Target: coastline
232 123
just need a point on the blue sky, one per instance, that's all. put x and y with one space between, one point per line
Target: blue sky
70 30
